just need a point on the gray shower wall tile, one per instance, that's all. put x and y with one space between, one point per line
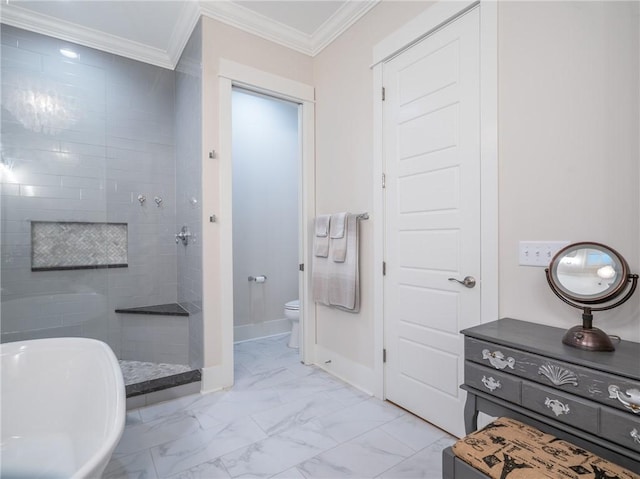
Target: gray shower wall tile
39 179
10 237
51 47
49 192
9 190
74 72
119 127
188 185
18 59
14 142
83 182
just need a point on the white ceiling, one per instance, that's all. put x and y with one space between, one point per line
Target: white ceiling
155 31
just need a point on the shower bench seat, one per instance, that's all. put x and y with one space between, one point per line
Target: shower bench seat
170 309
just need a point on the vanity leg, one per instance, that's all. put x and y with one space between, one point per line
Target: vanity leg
470 413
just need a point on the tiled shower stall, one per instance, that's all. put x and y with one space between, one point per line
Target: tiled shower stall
87 142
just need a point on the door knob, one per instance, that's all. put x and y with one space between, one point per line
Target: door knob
468 281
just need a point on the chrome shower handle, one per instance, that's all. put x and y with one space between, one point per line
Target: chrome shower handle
183 236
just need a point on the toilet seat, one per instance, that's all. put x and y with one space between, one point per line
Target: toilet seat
292 305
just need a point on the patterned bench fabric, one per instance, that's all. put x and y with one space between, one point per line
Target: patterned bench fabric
509 449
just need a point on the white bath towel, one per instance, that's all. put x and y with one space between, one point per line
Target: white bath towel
338 237
321 240
344 277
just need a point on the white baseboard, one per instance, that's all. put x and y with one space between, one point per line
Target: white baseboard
246 332
349 371
215 378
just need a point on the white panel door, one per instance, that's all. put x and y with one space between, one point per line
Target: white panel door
431 141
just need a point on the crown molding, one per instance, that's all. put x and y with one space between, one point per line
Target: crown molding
257 24
338 23
224 11
72 32
250 21
182 30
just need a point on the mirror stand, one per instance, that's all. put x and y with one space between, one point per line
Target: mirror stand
585 336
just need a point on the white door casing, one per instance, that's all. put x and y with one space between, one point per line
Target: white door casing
431 138
220 375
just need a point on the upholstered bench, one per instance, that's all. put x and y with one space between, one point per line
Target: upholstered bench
509 449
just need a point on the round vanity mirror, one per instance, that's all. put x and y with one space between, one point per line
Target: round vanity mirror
587 274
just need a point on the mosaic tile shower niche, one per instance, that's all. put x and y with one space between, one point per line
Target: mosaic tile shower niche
58 245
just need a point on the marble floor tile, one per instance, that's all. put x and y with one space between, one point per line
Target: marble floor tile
315 383
352 421
299 369
237 404
292 473
134 466
277 453
132 418
425 464
281 419
264 380
413 431
169 408
208 470
146 435
348 395
295 413
204 445
365 456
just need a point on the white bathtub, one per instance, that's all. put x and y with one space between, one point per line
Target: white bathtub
63 408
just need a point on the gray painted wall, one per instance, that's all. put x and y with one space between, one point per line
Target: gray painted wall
266 156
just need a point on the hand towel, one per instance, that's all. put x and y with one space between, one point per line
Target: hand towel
344 278
320 279
321 240
338 237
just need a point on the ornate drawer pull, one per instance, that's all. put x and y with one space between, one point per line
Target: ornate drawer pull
556 406
497 359
635 435
558 375
630 400
491 384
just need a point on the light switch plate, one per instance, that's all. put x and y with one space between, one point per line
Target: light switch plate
539 253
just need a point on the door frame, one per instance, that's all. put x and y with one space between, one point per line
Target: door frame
432 19
232 74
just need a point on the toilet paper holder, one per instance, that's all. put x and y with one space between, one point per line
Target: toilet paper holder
258 279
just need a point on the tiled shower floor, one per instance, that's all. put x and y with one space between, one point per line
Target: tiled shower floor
139 371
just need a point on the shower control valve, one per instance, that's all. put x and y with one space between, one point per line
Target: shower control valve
183 236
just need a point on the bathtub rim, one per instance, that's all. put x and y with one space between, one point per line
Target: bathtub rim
96 464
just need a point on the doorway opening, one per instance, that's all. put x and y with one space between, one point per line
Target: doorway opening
266 210
218 274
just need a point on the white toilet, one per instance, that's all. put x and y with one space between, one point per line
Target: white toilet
292 312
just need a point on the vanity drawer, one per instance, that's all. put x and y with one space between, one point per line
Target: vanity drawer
492 382
621 428
574 379
565 408
497 357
